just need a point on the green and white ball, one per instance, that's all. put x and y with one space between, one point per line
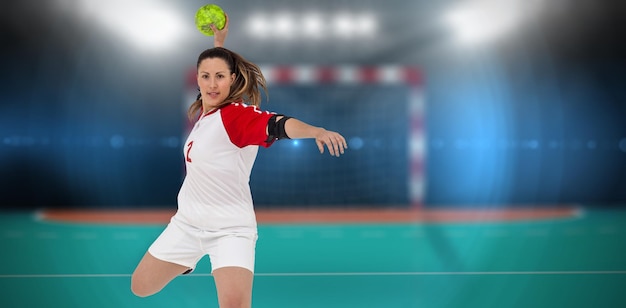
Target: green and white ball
207 15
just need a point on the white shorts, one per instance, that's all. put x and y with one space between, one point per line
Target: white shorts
184 244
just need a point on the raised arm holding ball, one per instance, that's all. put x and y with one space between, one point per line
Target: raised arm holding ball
215 210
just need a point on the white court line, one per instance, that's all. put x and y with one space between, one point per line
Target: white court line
446 273
343 274
64 275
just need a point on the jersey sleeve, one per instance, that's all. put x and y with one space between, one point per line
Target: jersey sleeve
246 124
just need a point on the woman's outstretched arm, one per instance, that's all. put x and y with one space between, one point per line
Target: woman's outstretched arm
335 142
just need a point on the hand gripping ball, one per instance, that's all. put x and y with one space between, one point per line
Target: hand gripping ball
207 15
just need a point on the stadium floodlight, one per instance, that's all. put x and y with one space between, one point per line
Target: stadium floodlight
284 25
259 26
343 24
483 20
312 25
151 26
366 25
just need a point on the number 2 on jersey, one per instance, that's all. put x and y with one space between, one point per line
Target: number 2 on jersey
189 145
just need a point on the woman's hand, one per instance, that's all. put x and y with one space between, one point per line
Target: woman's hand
335 142
296 129
219 36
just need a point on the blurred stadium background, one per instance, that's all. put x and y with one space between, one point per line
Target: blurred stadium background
522 101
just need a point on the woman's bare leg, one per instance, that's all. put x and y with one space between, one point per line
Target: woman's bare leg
152 274
234 286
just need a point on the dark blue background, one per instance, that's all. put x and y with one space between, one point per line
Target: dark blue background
536 118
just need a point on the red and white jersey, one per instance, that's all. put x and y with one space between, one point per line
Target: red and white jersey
219 154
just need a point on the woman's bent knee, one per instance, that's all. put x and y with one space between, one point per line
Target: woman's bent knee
152 274
141 288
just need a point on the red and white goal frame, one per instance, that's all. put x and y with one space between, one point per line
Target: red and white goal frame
408 76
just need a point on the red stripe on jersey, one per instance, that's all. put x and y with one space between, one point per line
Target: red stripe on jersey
202 114
246 124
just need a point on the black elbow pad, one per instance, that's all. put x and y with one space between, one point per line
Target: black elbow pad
276 129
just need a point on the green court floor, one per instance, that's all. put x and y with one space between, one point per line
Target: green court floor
574 262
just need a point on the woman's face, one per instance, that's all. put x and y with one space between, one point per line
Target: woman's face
214 80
